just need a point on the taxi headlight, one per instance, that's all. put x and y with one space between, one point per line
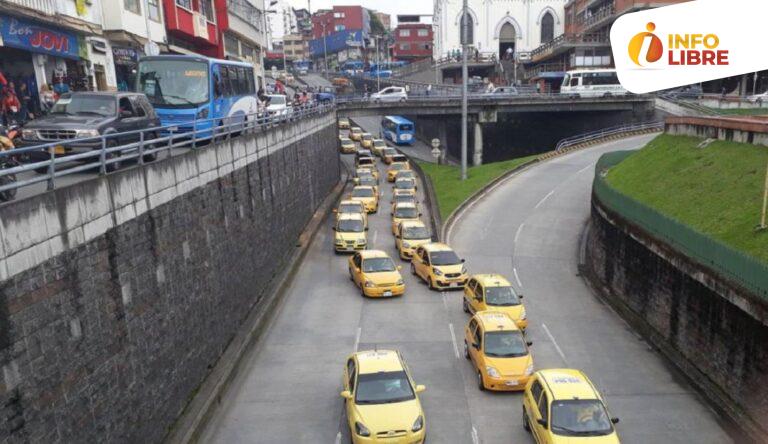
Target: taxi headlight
406 245
369 284
399 282
361 241
492 372
529 370
418 424
437 272
88 133
463 269
339 241
29 134
361 430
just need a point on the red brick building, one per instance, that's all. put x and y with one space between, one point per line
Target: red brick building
340 18
193 25
413 41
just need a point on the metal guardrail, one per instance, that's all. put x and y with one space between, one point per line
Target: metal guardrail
606 133
105 153
488 98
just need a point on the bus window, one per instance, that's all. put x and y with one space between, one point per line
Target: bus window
575 81
217 85
249 80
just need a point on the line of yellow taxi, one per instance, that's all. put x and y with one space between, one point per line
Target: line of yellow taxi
559 405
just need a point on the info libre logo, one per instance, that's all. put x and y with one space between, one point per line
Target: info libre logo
646 48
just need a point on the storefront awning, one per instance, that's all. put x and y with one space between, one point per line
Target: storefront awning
21 34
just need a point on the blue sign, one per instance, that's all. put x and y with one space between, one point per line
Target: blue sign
21 34
338 41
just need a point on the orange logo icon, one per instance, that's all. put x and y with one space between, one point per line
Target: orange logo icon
645 47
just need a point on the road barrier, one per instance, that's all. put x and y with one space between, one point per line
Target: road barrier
746 271
151 142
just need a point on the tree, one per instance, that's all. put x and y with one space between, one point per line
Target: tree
377 28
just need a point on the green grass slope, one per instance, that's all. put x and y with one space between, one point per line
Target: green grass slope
717 190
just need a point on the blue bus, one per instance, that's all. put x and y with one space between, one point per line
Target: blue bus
399 130
184 88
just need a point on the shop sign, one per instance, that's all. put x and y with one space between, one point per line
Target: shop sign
125 56
36 38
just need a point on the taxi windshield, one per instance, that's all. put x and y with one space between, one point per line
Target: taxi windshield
444 258
501 296
351 226
416 233
390 151
367 180
405 198
404 184
365 161
362 192
378 265
505 344
379 143
350 208
397 166
582 417
406 212
383 388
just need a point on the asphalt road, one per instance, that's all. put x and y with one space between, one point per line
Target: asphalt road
288 388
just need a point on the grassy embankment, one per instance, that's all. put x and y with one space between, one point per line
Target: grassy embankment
741 111
718 190
451 191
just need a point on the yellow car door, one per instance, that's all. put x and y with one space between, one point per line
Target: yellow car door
420 263
474 293
541 412
476 346
355 269
350 375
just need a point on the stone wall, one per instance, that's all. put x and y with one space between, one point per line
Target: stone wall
711 329
120 293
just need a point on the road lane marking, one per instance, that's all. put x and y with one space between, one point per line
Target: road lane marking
453 338
517 278
375 234
445 300
545 199
585 168
357 337
557 347
475 438
338 438
519 229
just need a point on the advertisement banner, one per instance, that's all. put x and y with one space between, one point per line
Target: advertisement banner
689 43
26 35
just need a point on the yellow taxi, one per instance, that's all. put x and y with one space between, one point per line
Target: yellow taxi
367 170
351 207
400 194
378 146
374 272
409 236
343 123
406 184
368 196
365 162
405 174
368 180
499 352
365 173
563 406
394 168
381 400
494 292
350 233
404 198
347 146
355 133
366 140
439 266
403 212
387 154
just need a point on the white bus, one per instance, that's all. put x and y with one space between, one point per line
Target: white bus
592 83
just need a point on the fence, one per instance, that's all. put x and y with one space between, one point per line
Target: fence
622 130
106 153
746 271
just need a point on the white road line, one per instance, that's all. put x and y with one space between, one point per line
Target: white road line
357 337
519 229
375 234
557 347
545 199
445 300
517 278
475 438
453 338
591 165
338 438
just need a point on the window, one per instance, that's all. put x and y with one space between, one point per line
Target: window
153 7
405 46
249 79
543 411
137 106
186 4
226 82
536 390
206 9
133 6
547 28
470 37
351 374
423 33
340 27
405 33
125 105
338 15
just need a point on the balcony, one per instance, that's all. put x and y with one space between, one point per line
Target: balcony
537 70
598 19
47 7
563 43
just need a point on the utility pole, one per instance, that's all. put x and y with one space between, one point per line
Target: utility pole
325 49
378 65
464 74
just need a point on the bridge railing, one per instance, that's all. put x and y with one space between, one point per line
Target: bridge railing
606 133
524 95
106 153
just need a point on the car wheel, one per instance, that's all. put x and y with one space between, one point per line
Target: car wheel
465 306
114 166
466 350
431 284
480 383
526 423
402 100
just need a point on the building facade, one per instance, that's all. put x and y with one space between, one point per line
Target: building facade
496 25
413 41
385 19
294 47
243 32
340 18
303 22
192 26
282 21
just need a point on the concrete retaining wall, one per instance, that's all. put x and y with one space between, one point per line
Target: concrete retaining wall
119 293
708 327
747 129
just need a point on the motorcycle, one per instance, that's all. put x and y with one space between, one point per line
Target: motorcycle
7 136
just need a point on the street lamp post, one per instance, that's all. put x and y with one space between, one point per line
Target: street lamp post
378 64
464 34
325 49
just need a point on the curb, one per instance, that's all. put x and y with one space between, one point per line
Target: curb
196 415
430 198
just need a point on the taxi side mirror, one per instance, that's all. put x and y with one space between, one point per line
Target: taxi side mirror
542 422
420 214
335 229
463 260
476 345
366 228
420 388
520 296
529 343
615 420
346 394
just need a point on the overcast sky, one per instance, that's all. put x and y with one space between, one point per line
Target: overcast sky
392 7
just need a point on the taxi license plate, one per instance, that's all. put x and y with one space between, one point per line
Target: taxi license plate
512 382
387 293
455 284
59 149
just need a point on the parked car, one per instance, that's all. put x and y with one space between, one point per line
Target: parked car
278 105
504 91
390 94
84 115
758 98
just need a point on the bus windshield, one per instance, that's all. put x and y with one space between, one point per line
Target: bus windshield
174 83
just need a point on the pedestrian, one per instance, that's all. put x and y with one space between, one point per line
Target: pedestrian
508 53
407 88
9 108
47 98
429 89
25 101
59 87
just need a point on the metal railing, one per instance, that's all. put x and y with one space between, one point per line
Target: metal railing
106 153
607 133
598 17
524 95
564 40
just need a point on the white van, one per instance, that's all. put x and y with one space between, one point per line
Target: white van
592 83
